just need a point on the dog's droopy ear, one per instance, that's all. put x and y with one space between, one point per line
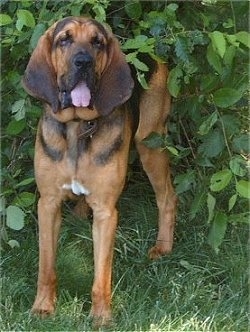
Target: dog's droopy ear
39 79
116 83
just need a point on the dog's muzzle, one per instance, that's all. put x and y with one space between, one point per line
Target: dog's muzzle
78 89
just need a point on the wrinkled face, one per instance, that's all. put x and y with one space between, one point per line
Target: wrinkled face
79 56
77 65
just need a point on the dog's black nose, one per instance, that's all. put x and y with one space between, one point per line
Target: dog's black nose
82 60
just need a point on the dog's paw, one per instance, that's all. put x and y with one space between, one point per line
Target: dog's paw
101 318
158 251
43 308
102 322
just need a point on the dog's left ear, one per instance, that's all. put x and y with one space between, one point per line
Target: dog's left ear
39 79
116 83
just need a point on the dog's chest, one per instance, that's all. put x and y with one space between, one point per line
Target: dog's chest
90 145
78 137
74 153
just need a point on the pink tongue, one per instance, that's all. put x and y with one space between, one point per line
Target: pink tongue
80 95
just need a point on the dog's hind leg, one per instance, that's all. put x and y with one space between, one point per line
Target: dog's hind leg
155 164
154 107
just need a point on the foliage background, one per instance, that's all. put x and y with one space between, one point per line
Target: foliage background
206 46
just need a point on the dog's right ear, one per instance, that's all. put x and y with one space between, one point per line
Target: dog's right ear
39 79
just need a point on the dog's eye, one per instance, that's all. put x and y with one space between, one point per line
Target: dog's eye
97 42
65 40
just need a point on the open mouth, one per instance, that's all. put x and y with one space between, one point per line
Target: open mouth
81 95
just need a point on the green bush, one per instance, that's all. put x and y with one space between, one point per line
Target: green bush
205 44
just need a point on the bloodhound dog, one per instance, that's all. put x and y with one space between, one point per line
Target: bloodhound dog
82 145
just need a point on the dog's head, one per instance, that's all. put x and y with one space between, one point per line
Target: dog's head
78 62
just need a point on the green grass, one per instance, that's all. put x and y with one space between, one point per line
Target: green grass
193 289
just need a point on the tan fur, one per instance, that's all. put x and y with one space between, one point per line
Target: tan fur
154 108
101 175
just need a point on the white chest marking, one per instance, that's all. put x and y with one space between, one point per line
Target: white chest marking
76 188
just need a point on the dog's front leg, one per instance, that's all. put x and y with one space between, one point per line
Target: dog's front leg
104 227
49 218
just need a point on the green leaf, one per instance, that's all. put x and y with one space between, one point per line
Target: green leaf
15 217
142 80
217 231
182 48
147 48
197 203
232 202
226 97
25 199
18 109
25 182
174 83
197 37
229 55
211 201
37 33
238 166
24 18
153 141
136 43
213 144
131 56
172 150
208 123
243 188
15 127
13 244
213 59
228 24
184 182
98 9
140 65
172 7
232 124
218 42
232 40
241 144
5 19
209 82
220 180
244 38
133 9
